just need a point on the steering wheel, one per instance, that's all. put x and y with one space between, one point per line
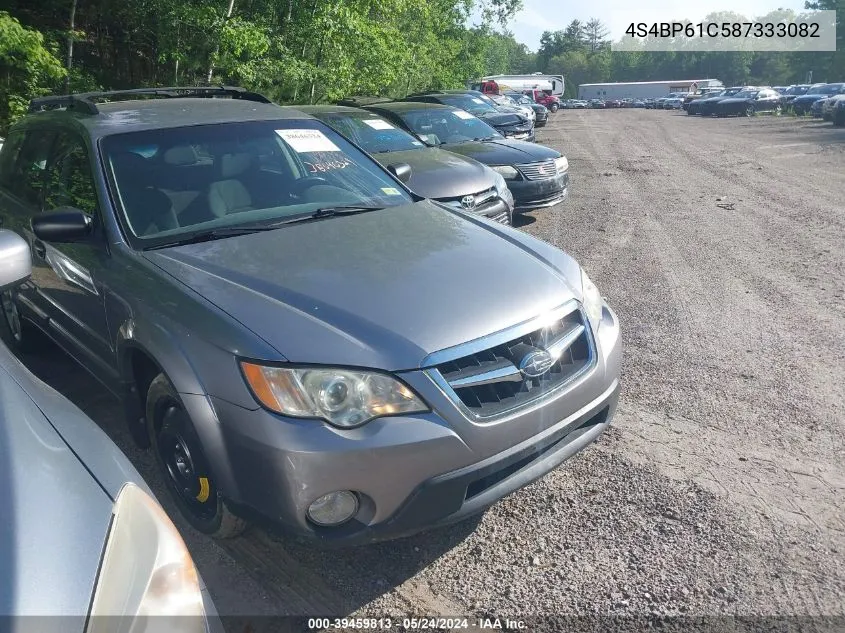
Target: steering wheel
304 184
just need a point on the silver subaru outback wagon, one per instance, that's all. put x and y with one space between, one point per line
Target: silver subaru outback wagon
296 335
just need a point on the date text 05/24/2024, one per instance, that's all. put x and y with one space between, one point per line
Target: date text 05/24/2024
415 624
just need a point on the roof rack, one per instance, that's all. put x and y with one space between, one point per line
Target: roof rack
85 101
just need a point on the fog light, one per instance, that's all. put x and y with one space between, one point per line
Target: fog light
334 508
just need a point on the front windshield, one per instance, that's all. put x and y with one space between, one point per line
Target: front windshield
371 132
817 89
175 182
468 103
440 127
797 90
830 89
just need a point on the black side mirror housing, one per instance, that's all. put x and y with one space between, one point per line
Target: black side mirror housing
402 171
63 225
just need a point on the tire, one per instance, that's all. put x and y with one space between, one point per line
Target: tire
798 111
183 465
21 336
839 119
554 108
778 110
749 110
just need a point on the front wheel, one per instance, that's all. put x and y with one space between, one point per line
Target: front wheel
749 110
554 107
183 464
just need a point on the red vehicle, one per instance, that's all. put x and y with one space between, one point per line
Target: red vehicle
544 98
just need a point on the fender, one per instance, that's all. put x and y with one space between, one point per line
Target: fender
162 346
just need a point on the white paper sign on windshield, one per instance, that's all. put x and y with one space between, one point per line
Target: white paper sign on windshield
307 141
477 100
378 124
462 115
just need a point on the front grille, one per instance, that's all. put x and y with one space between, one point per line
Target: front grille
538 171
489 382
481 198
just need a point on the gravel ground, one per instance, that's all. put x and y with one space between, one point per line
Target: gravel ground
720 488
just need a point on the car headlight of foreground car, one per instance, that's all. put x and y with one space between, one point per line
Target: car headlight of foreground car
146 572
507 172
342 397
592 301
561 164
502 188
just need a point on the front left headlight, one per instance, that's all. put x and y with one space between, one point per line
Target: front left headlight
561 164
342 397
507 171
146 574
592 301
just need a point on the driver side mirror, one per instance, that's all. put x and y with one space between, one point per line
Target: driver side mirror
402 171
15 259
63 225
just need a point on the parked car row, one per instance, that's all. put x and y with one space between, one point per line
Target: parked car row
820 100
461 123
296 335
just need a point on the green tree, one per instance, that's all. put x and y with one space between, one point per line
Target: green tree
28 68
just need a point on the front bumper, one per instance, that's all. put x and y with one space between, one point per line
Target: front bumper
412 472
539 194
520 133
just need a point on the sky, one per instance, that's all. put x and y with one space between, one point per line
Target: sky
552 15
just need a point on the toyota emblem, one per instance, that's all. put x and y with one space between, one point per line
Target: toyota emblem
468 202
535 364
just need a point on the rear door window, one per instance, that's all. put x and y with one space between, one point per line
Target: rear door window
26 179
70 182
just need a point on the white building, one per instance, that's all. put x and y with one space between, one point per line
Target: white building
643 89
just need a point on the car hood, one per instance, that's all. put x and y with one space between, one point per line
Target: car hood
56 515
809 98
732 100
436 173
503 151
502 119
711 100
382 289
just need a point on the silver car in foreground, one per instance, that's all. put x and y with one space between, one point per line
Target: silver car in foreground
84 544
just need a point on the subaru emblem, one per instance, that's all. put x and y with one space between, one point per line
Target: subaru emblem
536 363
468 203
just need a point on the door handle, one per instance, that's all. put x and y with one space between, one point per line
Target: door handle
40 249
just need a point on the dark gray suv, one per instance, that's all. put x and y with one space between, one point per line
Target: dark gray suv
296 335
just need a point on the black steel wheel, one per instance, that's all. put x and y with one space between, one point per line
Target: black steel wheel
182 462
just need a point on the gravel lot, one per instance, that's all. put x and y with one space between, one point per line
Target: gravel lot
720 489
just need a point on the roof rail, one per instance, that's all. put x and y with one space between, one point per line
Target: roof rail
85 101
360 101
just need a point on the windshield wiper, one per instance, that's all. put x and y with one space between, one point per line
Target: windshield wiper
327 212
216 234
